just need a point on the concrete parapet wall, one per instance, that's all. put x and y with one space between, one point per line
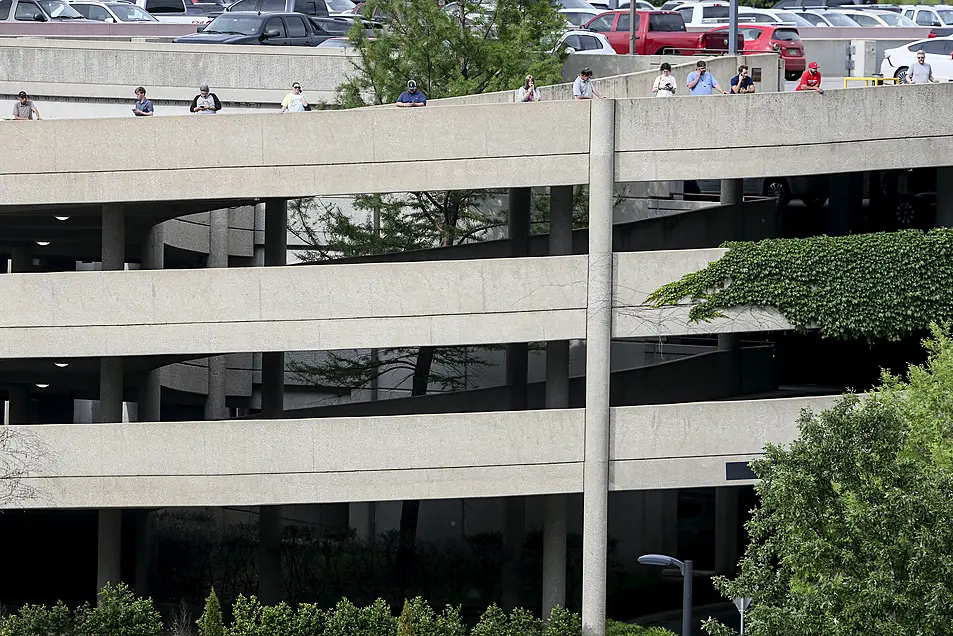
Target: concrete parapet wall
379 459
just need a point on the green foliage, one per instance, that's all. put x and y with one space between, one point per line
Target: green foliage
119 613
246 613
562 622
210 623
418 619
852 532
453 54
310 620
866 286
614 628
38 620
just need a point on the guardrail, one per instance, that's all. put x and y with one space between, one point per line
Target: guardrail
872 81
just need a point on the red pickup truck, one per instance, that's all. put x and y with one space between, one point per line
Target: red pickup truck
657 33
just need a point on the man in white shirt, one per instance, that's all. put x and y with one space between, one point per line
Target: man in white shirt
582 89
295 101
920 72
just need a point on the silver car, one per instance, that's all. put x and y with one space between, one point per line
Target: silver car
118 12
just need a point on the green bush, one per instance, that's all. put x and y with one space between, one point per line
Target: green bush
32 620
210 623
310 620
119 613
246 613
622 629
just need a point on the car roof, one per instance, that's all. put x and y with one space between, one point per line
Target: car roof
641 11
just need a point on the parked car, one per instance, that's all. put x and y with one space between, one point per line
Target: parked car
877 18
656 33
341 7
931 16
38 11
696 14
908 198
811 190
823 17
275 29
772 16
819 4
177 11
639 5
939 53
579 17
119 12
581 41
784 40
316 10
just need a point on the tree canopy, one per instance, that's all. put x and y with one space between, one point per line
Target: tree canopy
467 49
853 531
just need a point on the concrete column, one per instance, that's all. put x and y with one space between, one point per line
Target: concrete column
113 237
731 343
218 238
732 191
269 555
557 397
276 254
598 335
944 196
109 544
726 529
110 390
150 392
215 401
21 260
145 551
19 406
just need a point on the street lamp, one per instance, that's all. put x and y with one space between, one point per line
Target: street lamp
686 568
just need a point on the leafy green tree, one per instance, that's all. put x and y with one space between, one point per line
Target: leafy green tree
210 623
119 613
852 534
33 620
449 54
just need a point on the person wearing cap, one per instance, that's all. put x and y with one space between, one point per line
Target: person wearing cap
920 72
811 79
413 96
24 108
701 82
205 103
143 107
295 101
582 88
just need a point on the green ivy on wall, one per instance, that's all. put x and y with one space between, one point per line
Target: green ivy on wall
864 286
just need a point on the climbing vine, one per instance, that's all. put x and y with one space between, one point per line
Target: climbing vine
865 286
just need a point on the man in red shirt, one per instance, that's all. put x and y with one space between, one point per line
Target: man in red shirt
811 79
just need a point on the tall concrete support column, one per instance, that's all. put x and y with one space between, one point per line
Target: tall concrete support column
557 397
517 373
110 390
726 529
150 392
145 551
215 402
113 237
21 260
732 193
269 555
109 546
276 254
598 334
944 196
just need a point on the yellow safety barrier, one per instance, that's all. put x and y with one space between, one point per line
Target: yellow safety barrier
871 81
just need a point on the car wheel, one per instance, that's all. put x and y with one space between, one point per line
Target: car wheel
814 201
901 74
778 189
906 212
791 76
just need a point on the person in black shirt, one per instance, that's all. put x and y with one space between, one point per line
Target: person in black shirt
742 82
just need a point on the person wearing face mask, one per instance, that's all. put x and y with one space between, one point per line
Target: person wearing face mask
742 82
811 79
528 91
664 85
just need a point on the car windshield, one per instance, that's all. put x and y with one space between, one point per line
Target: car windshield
131 13
839 19
814 19
946 15
578 18
234 24
575 4
786 35
60 10
895 19
340 6
787 16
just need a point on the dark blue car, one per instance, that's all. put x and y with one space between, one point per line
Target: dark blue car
275 29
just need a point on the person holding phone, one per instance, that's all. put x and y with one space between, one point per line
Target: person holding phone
528 91
742 82
143 107
701 82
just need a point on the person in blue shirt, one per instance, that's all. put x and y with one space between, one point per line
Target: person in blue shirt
143 107
412 96
742 82
701 82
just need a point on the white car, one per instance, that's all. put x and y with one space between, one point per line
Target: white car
579 17
772 16
939 56
696 14
876 18
612 5
930 16
585 42
823 17
115 12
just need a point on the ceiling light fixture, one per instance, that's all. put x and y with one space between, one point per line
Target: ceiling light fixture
61 365
61 218
42 243
42 386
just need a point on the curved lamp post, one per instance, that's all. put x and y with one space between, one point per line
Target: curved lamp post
686 568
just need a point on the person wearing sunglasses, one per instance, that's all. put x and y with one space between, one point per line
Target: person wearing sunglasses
295 101
920 72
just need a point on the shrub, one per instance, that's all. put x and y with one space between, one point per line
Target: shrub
246 614
562 622
210 623
119 613
38 619
622 629
310 620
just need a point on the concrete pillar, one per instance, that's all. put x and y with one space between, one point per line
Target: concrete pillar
18 411
269 555
113 237
598 335
362 518
557 397
732 191
21 260
150 391
944 196
731 343
276 232
218 238
110 390
846 202
145 551
109 544
276 254
215 401
726 529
